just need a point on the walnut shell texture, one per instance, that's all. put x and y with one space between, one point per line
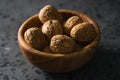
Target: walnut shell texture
51 28
72 21
49 13
35 38
83 32
62 44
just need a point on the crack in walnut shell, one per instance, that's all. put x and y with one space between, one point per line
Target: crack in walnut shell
62 44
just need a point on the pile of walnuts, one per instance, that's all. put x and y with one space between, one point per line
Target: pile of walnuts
57 36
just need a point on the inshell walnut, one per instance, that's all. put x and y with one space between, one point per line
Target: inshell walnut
62 44
83 32
51 28
72 21
35 38
47 49
49 13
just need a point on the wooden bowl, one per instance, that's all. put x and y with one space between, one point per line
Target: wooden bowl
57 63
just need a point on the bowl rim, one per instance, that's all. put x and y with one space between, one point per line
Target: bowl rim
92 45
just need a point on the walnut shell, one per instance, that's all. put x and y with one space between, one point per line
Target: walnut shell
35 38
51 28
49 13
62 44
72 21
83 32
47 49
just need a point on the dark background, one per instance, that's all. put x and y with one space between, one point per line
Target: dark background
105 64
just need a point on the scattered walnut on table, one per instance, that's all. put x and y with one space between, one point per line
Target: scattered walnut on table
49 13
83 32
51 28
62 44
35 38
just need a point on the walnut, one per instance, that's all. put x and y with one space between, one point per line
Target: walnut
35 38
51 28
47 49
83 32
72 21
62 44
49 13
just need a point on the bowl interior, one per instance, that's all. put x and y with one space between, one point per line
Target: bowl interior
35 22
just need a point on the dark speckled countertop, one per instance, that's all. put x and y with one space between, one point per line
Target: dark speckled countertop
105 64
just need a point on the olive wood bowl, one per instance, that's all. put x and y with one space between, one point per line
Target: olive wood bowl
57 63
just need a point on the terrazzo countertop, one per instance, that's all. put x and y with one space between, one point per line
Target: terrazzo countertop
105 64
